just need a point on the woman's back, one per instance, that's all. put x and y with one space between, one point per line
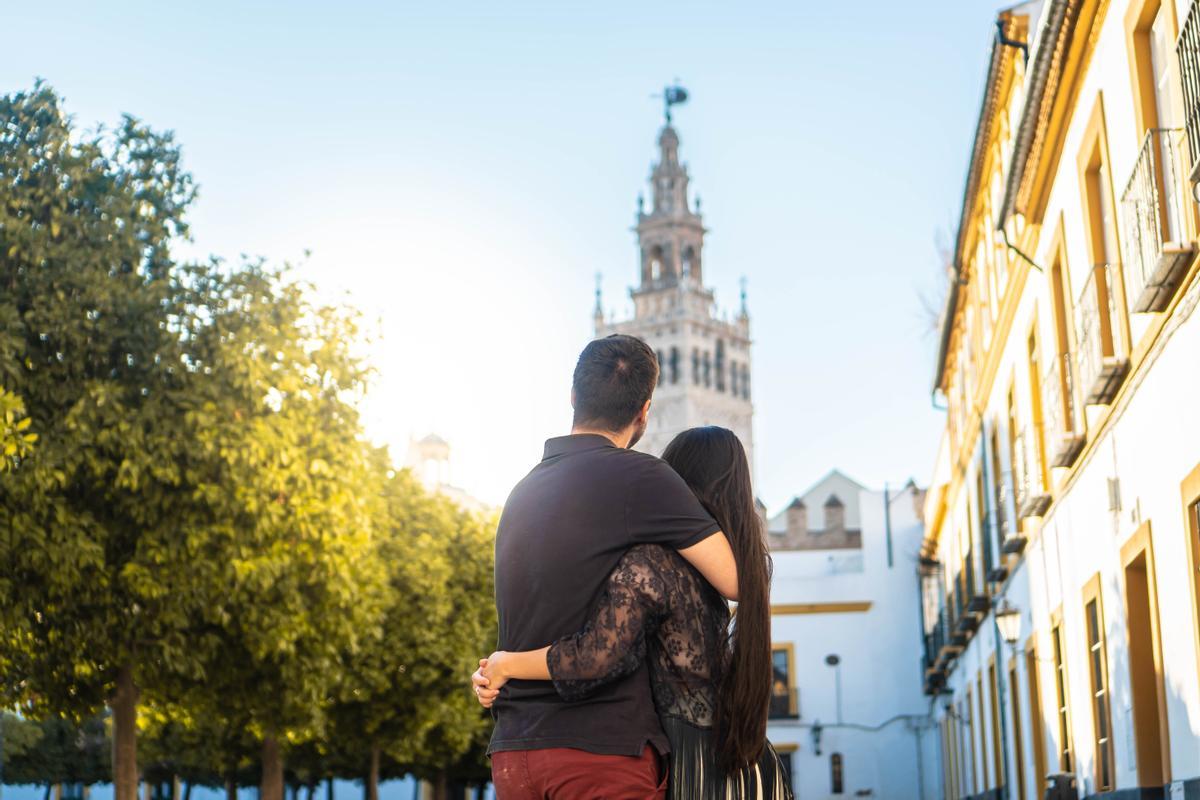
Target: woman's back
656 606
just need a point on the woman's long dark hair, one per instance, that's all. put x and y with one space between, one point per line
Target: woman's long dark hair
713 463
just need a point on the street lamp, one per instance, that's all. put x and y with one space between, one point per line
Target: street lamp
1008 620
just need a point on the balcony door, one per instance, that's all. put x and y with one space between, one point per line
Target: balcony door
1150 731
1162 53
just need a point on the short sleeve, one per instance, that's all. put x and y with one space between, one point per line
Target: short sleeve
661 509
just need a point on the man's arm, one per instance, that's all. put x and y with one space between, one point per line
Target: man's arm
713 557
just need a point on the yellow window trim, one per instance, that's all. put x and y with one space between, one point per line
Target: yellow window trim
854 607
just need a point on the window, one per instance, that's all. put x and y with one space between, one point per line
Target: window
662 367
969 708
785 700
745 382
836 776
1038 733
999 489
674 365
1065 761
997 746
707 369
1018 735
720 365
695 366
983 750
1098 677
733 378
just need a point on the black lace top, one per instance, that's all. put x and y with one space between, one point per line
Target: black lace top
656 606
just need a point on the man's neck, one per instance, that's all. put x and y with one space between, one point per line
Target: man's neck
619 439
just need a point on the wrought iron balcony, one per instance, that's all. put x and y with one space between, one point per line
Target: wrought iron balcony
1103 362
1060 411
785 704
1155 213
1031 494
1187 48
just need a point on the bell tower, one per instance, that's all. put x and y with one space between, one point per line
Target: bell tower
704 355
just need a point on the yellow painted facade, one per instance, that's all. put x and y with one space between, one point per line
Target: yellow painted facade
1069 368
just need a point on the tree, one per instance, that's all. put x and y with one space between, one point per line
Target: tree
86 292
291 497
55 751
402 699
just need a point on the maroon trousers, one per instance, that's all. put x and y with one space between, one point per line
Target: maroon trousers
563 773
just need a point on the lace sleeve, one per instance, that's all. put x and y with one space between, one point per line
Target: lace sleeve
613 641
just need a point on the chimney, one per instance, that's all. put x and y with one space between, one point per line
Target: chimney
797 521
835 514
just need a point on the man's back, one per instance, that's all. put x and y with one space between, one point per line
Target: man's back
564 528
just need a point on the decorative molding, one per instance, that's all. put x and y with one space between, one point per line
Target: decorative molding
783 609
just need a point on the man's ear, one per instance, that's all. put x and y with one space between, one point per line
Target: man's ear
645 412
572 397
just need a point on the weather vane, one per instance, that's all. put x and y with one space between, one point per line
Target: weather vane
673 96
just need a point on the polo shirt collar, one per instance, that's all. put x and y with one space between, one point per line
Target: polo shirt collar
575 443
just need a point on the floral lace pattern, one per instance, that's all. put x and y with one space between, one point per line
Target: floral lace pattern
654 606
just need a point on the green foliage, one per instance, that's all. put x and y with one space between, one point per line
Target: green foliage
201 504
16 440
404 692
54 750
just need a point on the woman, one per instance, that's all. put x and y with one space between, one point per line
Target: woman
711 681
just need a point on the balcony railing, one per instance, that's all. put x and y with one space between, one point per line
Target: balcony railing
785 704
1188 51
1154 222
1032 497
1103 362
1060 411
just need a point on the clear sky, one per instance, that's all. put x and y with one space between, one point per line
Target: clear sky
463 170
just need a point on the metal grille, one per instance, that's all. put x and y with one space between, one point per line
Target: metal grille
1153 219
1030 492
1103 356
1188 51
1060 410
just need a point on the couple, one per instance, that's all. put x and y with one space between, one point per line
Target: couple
619 675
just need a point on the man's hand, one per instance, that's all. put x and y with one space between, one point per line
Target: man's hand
485 691
713 557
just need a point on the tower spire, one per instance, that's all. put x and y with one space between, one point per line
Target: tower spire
599 310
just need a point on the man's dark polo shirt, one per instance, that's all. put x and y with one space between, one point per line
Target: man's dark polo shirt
564 528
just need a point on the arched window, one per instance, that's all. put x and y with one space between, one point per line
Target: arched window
695 366
689 261
733 377
745 382
707 369
720 365
835 773
674 364
655 264
660 367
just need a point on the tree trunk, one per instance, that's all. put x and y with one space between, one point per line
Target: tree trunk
271 787
176 789
371 784
230 788
329 789
124 736
312 789
441 791
49 789
187 791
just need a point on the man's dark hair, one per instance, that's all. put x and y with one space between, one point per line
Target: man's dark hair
614 378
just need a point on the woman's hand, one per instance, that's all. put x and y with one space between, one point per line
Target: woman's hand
495 669
483 686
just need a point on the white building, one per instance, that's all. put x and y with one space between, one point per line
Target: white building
848 714
1067 487
705 358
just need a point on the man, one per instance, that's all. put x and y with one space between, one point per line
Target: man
564 528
